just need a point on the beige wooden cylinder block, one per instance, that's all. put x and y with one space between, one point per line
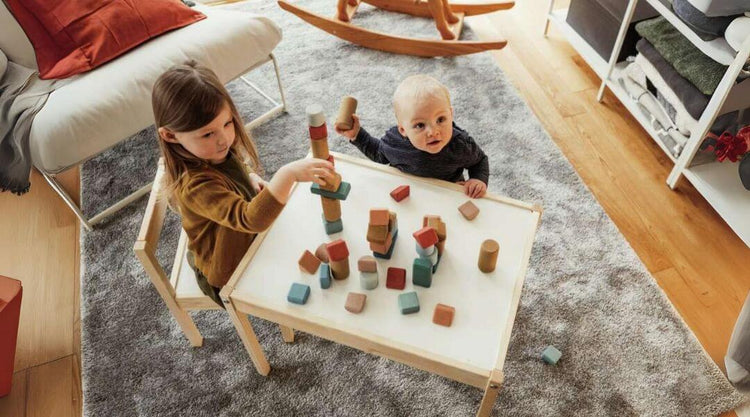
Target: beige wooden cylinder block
331 209
488 255
340 269
348 107
319 148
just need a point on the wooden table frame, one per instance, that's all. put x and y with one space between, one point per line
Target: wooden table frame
490 380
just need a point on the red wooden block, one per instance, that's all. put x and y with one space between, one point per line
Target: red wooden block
10 313
319 132
308 262
379 217
400 192
426 237
337 250
443 315
396 278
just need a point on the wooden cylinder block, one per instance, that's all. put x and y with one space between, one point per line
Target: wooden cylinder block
331 209
319 148
340 269
348 107
488 255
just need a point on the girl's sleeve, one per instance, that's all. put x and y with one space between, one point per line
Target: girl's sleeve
212 199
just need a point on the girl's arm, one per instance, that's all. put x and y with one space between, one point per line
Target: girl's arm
303 170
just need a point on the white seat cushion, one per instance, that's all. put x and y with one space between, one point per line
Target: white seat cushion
100 108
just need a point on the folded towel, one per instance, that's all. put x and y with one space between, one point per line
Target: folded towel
708 28
684 57
737 31
693 100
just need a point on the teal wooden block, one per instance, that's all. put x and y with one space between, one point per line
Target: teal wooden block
298 293
422 272
408 303
551 355
368 280
325 276
333 227
390 251
339 194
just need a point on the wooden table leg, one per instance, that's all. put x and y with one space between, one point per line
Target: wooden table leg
287 333
490 393
249 339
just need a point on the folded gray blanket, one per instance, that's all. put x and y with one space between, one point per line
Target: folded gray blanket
693 100
22 95
708 28
685 58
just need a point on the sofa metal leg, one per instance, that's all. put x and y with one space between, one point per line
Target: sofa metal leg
278 107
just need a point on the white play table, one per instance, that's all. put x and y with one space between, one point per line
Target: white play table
471 351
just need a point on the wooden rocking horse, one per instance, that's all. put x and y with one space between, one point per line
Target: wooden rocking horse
449 20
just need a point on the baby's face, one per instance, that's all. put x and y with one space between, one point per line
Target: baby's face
427 123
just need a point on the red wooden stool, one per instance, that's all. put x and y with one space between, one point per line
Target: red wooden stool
10 312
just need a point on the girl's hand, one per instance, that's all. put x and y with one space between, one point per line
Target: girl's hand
350 134
311 170
475 188
257 182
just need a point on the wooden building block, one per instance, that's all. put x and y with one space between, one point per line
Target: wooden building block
443 315
337 250
488 255
436 223
408 303
426 237
367 264
355 302
425 252
322 253
331 160
392 222
401 192
368 280
333 227
319 148
348 107
380 217
377 234
331 209
421 273
315 115
308 262
396 278
340 194
334 184
469 210
430 219
318 132
440 247
340 269
382 247
391 245
325 276
298 293
551 355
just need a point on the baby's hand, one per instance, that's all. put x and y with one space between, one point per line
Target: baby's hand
475 188
257 182
350 134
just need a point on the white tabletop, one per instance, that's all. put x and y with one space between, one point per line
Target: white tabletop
485 303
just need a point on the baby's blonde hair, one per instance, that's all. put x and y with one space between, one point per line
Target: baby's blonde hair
416 88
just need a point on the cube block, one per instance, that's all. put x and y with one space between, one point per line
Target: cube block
422 272
340 194
443 315
355 302
337 250
368 280
408 303
469 210
379 217
551 355
298 293
396 278
426 237
367 264
388 254
322 253
333 227
401 192
308 262
325 276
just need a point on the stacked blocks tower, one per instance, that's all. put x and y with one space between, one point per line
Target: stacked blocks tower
437 223
368 272
382 231
430 245
338 254
330 194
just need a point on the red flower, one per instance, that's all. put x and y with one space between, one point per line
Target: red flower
732 147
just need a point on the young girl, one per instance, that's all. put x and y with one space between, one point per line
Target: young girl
206 153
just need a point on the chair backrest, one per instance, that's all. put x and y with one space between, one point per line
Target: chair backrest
13 41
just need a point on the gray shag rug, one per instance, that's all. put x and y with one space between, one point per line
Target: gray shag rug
625 350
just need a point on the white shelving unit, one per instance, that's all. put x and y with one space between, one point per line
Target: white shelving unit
719 183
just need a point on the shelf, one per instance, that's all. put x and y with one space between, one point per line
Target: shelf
720 185
717 49
592 58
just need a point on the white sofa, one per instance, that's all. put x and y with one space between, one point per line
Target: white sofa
96 110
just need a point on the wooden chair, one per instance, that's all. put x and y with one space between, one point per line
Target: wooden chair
180 290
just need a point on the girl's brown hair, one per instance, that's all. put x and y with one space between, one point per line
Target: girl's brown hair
185 98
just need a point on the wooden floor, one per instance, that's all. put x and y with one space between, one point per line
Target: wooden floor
693 255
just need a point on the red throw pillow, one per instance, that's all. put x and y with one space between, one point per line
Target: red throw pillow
75 36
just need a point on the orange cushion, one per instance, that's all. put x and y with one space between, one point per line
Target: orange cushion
75 36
